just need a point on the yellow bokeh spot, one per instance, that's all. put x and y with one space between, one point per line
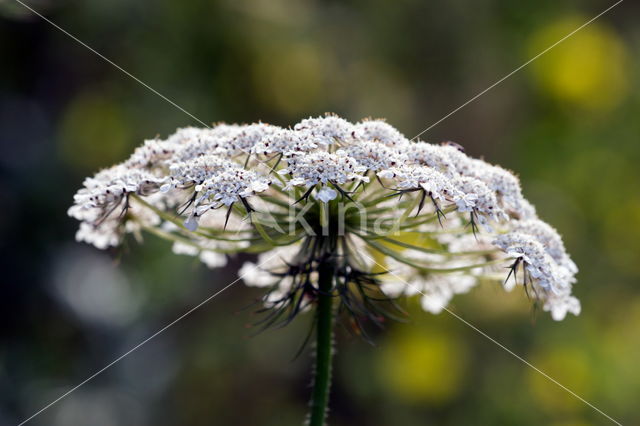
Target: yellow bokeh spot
568 366
94 132
588 69
419 366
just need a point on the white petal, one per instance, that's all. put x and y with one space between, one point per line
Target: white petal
191 223
326 194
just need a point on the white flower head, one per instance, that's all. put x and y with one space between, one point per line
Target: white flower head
379 131
285 142
359 196
326 130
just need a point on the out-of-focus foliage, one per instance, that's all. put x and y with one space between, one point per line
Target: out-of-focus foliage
94 131
568 123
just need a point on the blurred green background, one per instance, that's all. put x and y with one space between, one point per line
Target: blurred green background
569 124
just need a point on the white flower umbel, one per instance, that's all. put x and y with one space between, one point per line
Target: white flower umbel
321 188
343 218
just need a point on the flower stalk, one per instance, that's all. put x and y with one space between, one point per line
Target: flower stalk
324 345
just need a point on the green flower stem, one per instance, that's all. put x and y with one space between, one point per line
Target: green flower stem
211 233
438 251
324 338
254 248
425 268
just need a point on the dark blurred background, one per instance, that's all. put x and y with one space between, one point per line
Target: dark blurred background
568 124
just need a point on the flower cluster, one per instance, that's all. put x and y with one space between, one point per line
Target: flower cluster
390 215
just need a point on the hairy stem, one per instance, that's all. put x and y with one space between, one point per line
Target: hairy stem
324 333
